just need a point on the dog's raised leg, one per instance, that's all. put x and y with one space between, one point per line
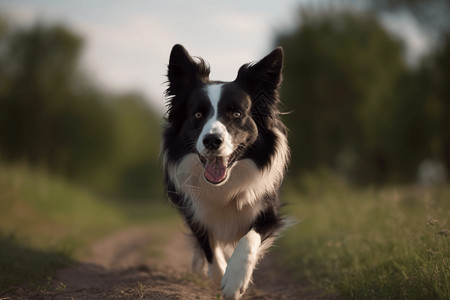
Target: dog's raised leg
240 267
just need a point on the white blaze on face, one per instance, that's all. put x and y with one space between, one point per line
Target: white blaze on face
216 166
214 126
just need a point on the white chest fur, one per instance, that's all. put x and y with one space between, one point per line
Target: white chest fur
227 210
227 223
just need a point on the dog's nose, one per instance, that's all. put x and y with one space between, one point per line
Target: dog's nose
212 141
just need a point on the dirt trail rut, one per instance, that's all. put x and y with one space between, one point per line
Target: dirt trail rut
137 263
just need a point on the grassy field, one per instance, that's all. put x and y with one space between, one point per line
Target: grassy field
390 243
47 223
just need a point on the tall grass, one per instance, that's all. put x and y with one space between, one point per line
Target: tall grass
390 243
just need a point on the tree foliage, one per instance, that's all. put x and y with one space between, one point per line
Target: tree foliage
357 107
53 116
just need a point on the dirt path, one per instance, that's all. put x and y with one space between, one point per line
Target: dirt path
141 263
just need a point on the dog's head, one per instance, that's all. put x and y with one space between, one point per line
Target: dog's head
220 121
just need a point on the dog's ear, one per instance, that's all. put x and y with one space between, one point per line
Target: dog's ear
262 81
183 72
263 76
184 75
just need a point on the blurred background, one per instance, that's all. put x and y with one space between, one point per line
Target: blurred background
367 85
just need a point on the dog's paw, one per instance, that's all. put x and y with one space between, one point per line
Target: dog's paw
198 265
235 283
237 276
240 266
215 272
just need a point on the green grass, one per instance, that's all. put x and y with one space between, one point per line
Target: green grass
390 243
46 223
21 264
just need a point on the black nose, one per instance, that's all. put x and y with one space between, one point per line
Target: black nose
212 141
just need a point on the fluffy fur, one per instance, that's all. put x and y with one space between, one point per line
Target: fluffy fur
225 155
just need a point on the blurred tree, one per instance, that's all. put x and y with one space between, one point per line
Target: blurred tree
4 84
39 64
51 115
436 76
342 73
433 76
135 150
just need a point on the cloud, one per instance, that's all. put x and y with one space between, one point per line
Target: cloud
408 30
128 54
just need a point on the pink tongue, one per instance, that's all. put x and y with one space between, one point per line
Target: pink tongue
215 170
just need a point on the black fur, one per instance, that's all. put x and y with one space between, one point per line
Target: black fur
248 108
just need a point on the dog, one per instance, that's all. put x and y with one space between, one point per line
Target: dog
225 155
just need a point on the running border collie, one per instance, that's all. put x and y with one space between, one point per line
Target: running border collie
225 155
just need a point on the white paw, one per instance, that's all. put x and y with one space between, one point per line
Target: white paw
240 266
236 279
238 273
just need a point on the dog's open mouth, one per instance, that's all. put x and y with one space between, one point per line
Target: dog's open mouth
216 167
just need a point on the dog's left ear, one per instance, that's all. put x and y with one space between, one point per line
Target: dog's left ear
263 76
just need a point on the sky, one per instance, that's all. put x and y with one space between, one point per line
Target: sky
128 43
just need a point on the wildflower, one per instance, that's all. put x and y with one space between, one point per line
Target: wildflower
444 232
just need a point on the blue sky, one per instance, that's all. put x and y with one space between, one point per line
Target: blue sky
127 43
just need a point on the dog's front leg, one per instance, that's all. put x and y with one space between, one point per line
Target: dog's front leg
240 266
216 268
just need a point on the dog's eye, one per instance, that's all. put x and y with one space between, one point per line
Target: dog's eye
237 114
198 115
